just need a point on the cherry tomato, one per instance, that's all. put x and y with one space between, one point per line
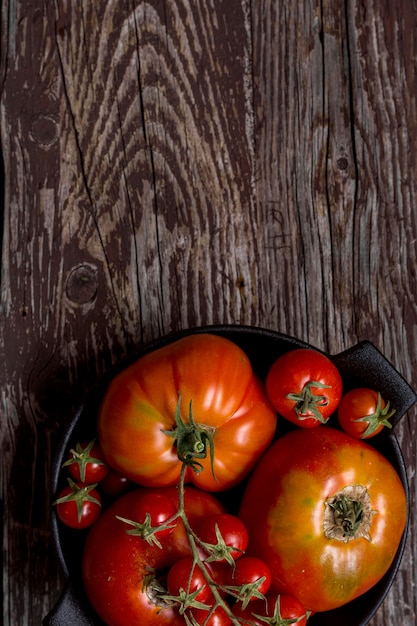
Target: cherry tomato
123 574
114 484
153 510
280 608
252 575
363 413
227 534
86 463
196 399
78 505
218 617
334 513
185 577
304 386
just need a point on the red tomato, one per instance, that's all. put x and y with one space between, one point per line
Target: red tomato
154 510
114 484
363 413
330 522
227 534
78 505
218 617
213 378
304 386
252 575
281 608
185 578
86 463
123 574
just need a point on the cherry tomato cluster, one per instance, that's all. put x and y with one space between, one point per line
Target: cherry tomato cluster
90 480
197 563
305 387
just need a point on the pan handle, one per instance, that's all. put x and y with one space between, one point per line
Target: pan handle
365 362
69 611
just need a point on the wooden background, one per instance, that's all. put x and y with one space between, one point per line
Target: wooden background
174 163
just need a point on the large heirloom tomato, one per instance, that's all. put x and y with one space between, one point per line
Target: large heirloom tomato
121 571
326 512
195 398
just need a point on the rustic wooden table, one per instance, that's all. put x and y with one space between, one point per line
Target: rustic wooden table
175 163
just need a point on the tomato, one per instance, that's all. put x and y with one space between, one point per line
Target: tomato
330 521
363 413
86 463
304 386
185 577
114 484
78 505
223 411
281 609
153 510
123 574
226 534
218 617
252 575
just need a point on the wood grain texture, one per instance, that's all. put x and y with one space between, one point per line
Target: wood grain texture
177 163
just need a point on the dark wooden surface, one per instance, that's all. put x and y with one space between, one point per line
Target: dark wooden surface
174 163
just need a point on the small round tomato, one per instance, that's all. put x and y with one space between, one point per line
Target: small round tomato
78 505
196 400
216 617
184 578
252 575
151 511
114 484
280 608
363 413
304 386
227 536
334 514
86 462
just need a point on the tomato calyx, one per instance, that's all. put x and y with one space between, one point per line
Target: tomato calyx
193 440
276 619
246 592
79 494
146 531
156 591
381 416
82 457
348 515
307 404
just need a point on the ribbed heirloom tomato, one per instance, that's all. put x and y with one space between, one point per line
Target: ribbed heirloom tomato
326 512
123 574
195 398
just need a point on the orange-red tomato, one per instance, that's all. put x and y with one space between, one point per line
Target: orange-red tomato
363 413
304 386
298 510
213 378
121 571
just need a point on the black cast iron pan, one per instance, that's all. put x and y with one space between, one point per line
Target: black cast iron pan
361 365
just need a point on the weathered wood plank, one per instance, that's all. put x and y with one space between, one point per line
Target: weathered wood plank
171 164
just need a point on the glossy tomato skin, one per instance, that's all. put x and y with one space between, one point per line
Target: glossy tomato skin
115 563
295 373
361 403
284 508
215 376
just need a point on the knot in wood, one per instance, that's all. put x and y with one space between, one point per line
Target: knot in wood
82 284
43 130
